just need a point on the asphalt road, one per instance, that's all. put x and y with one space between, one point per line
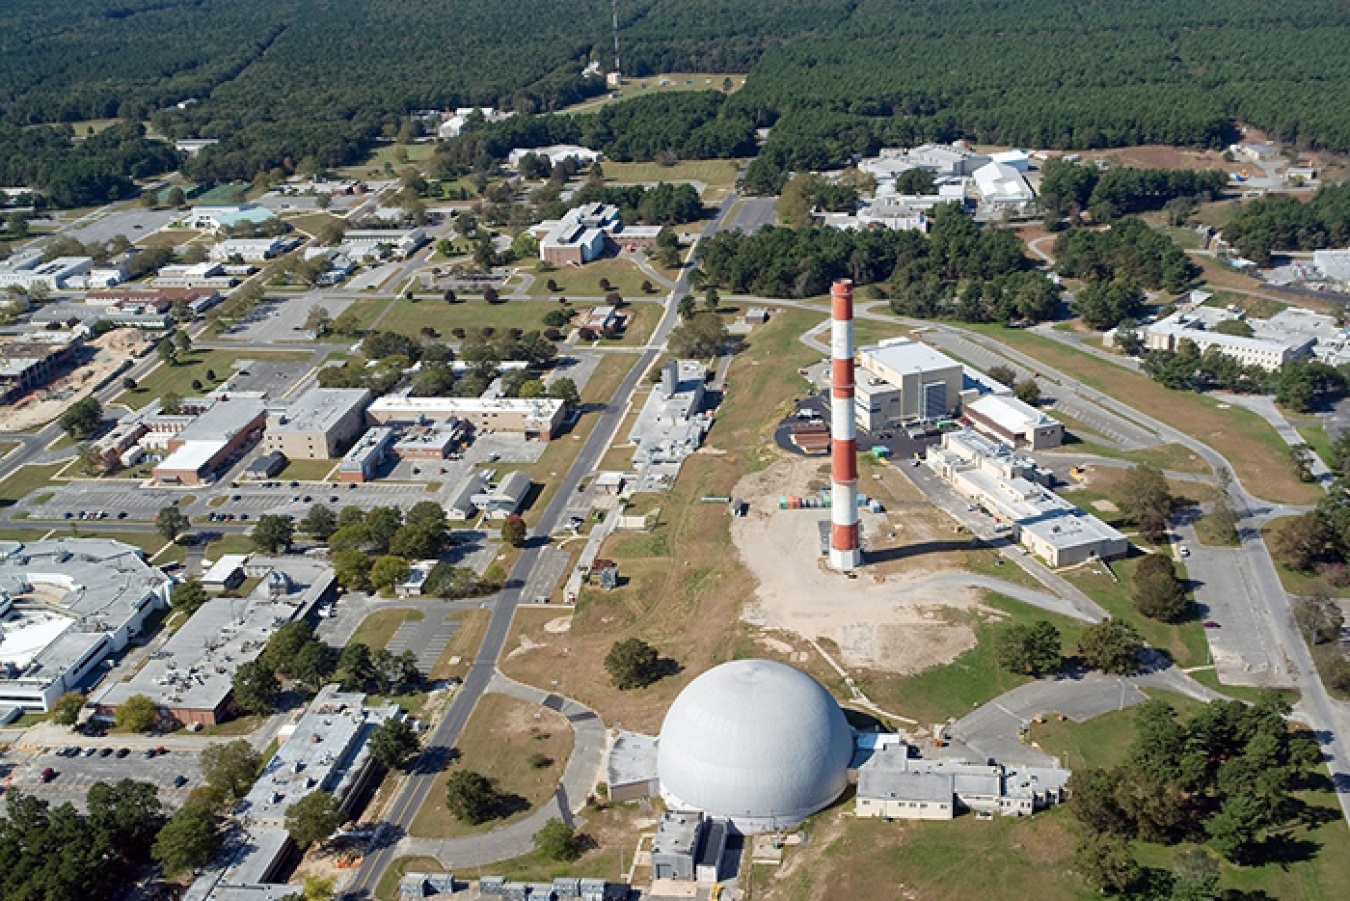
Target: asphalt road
418 785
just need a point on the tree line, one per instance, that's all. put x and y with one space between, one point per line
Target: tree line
89 172
1068 189
1275 223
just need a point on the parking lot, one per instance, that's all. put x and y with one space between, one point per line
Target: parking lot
283 319
132 222
269 375
74 775
112 497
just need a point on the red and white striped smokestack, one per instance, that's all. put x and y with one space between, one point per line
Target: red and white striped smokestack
845 547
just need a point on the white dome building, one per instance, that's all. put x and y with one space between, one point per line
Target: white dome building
756 742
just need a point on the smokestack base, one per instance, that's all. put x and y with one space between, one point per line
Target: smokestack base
845 560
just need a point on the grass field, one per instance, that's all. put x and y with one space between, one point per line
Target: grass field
500 741
377 628
1316 438
464 645
373 165
410 317
25 480
713 173
1174 457
1260 458
584 281
309 223
307 470
1184 643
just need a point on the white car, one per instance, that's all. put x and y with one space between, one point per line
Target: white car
1183 550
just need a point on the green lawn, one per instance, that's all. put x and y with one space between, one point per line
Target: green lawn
409 318
1175 457
713 173
376 630
25 480
499 741
229 544
388 153
195 366
1316 438
309 223
307 470
954 689
1185 642
584 281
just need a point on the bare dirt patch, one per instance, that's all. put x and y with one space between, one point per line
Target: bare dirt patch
1160 156
884 620
42 406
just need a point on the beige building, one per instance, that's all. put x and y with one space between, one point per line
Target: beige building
319 425
1014 422
535 418
928 383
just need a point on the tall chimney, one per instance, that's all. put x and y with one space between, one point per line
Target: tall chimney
845 548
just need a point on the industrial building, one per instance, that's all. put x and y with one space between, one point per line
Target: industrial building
65 605
1012 489
534 419
380 243
671 425
905 381
943 160
1007 419
556 153
190 679
755 742
328 750
195 275
319 424
200 448
895 785
435 441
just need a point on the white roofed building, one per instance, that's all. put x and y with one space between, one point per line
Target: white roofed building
1014 422
1003 190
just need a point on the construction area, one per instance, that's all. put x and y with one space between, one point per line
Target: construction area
39 407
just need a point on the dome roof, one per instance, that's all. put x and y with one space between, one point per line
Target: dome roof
755 741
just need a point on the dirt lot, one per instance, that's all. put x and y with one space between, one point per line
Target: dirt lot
1159 156
45 404
883 620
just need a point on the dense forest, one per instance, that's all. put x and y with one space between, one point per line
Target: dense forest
283 82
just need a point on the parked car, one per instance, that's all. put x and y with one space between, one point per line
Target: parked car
179 781
123 752
48 774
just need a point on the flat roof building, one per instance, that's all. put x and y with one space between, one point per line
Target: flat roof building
209 440
1003 188
65 605
671 425
363 460
1014 422
507 497
1009 488
893 784
1268 346
190 678
328 750
431 442
217 217
319 424
535 418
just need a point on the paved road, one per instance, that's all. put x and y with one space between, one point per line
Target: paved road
481 672
578 782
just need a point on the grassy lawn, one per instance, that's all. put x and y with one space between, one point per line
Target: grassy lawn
1174 457
1260 458
229 544
376 630
584 281
409 318
500 741
713 173
1316 438
25 480
307 470
309 223
387 888
243 725
165 379
604 381
1185 643
954 689
388 153
169 237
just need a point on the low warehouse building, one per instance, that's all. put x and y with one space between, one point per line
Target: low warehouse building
1014 422
535 418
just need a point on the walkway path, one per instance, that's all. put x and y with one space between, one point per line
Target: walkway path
579 778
